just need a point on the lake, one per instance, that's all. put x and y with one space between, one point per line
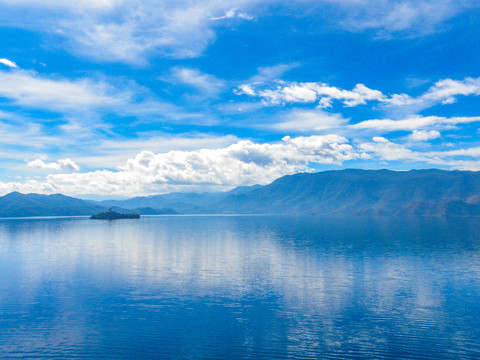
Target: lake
240 287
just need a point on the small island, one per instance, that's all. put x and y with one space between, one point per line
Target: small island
113 215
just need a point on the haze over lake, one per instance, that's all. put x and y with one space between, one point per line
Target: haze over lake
206 287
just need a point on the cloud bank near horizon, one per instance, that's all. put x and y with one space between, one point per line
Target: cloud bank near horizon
242 163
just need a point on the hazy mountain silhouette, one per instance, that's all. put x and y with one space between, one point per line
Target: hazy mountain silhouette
187 203
16 204
343 192
380 192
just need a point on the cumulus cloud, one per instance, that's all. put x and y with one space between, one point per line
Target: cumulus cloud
8 63
281 92
242 163
290 94
285 92
245 89
446 91
424 135
117 151
59 165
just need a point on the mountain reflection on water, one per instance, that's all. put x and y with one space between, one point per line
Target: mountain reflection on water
206 287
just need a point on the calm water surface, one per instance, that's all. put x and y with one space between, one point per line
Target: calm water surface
228 287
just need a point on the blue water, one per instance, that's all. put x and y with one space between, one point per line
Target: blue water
233 287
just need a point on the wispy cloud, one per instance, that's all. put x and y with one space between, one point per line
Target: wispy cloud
206 84
87 96
308 121
79 115
24 134
414 123
399 17
126 31
58 165
28 88
267 74
134 31
385 149
8 63
234 13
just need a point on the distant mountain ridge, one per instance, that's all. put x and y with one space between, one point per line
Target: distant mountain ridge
364 192
191 203
341 192
16 204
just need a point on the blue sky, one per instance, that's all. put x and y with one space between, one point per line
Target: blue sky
121 98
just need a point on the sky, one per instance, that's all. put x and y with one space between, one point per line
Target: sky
117 98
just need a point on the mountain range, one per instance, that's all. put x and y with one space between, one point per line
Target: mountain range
16 204
342 192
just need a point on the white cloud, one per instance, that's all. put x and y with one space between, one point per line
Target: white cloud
245 89
269 73
233 13
8 63
16 130
445 91
409 17
125 31
424 135
133 31
470 152
59 165
117 151
289 94
414 123
28 88
205 83
244 162
280 92
87 96
307 120
285 92
384 149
